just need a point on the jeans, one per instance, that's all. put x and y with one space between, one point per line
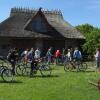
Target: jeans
98 63
49 59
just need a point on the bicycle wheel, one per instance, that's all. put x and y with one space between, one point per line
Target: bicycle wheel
67 66
19 69
2 68
26 71
82 67
45 70
7 75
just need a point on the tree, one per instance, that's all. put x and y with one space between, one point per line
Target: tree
85 28
92 35
92 41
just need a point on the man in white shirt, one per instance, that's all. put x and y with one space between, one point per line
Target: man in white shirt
37 54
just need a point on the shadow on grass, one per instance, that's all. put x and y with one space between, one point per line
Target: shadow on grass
81 71
48 76
12 82
90 71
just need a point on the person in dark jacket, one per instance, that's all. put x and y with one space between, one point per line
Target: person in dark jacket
12 58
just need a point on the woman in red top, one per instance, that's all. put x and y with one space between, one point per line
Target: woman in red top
57 55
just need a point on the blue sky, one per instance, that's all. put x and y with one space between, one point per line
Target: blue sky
76 12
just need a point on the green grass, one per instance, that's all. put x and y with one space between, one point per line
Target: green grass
60 86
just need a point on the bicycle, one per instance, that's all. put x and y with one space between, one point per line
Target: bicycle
78 65
44 69
5 72
20 67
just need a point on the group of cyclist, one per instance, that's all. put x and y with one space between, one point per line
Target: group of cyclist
33 56
26 56
59 56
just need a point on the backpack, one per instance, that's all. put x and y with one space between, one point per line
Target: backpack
77 54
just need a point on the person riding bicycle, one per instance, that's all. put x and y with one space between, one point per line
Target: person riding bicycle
34 64
12 58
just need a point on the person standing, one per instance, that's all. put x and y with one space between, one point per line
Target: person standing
71 52
97 57
49 56
69 55
63 56
24 55
57 56
77 55
31 54
37 53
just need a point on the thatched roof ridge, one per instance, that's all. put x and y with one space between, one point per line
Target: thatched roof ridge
20 10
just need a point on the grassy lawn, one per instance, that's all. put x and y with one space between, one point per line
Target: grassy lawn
60 86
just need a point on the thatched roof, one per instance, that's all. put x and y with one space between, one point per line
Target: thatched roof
19 19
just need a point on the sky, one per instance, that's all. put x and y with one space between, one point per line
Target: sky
76 12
